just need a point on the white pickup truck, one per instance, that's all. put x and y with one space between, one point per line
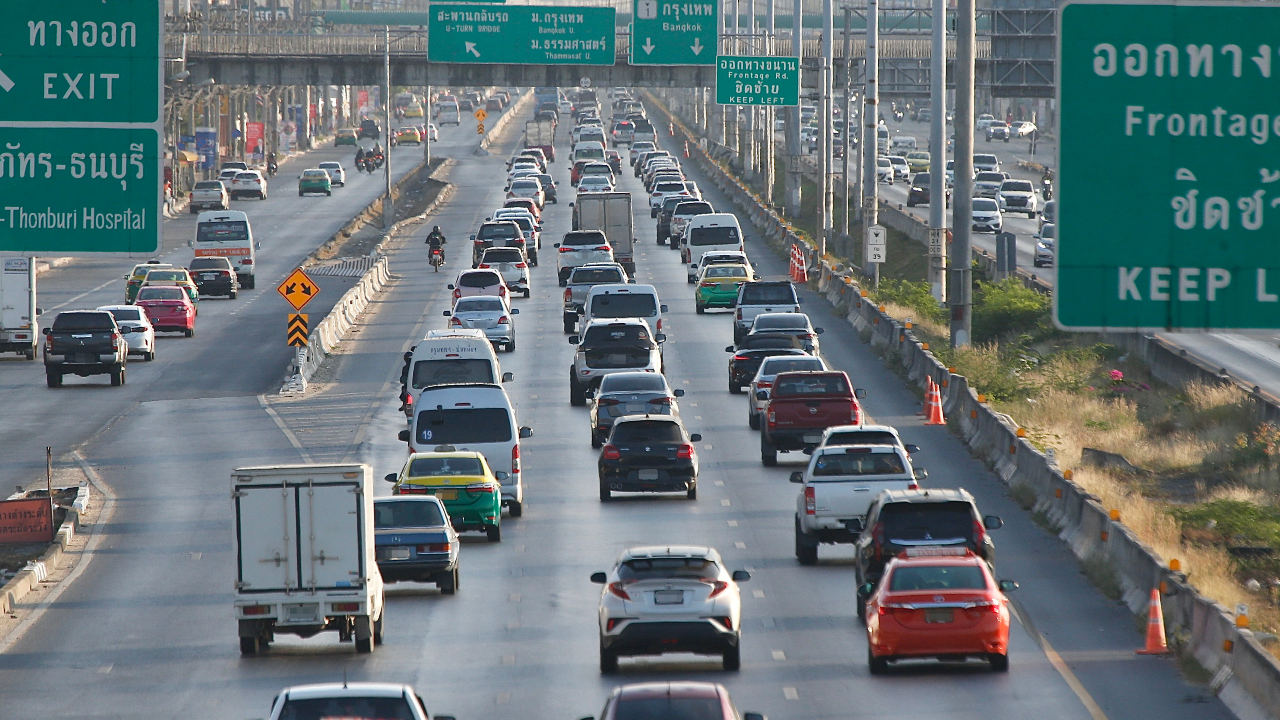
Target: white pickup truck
305 554
838 488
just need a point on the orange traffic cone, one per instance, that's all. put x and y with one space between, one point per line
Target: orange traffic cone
671 128
933 405
686 148
1156 644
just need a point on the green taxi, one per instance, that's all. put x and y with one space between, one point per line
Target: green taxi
462 480
718 285
173 276
345 136
314 180
136 277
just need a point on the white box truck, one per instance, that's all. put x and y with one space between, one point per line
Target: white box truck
609 212
541 134
18 330
305 554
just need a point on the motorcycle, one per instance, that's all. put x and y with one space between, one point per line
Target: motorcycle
437 258
378 160
271 169
1046 188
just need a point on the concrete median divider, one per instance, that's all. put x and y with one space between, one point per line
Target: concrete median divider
28 579
516 110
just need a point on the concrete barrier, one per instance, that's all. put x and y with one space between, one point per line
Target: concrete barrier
482 147
30 577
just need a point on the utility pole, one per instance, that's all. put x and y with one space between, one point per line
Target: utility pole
848 124
748 143
794 176
870 138
938 156
824 163
960 284
388 203
770 171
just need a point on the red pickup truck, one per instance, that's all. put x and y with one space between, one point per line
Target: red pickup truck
802 406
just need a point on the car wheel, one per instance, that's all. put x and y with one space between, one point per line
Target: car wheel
700 308
189 332
806 547
511 346
149 356
494 532
734 388
569 326
194 210
299 193
596 441
364 646
232 296
605 493
52 378
608 661
733 658
249 646
516 509
117 376
692 494
448 584
577 393
753 421
328 193
768 453
660 240
877 665
690 279
999 663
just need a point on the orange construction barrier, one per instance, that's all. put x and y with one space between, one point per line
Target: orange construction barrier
1156 644
933 405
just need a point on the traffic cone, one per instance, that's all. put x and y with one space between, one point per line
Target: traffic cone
686 148
671 128
1156 644
933 405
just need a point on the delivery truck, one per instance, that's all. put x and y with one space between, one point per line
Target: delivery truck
609 212
541 134
305 559
18 330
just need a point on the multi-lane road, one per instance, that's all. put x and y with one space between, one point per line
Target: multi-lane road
147 630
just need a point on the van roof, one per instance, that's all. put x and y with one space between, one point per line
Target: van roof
714 219
217 215
611 288
469 392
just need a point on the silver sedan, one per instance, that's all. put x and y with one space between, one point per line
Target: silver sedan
629 393
489 314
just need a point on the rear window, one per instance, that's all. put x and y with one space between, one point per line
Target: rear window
726 271
863 437
932 522
758 294
813 385
161 293
467 305
842 463
330 166
480 279
669 568
647 431
985 159
126 314
222 231
937 577
726 235
444 466
668 187
526 185
83 321
165 276
781 322
577 239
453 371
498 232
627 382
503 255
210 263
315 174
347 708
406 513
787 364
621 334
595 276
463 425
209 185
693 208
624 305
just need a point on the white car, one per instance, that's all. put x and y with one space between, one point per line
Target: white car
349 700
884 170
249 183
987 184
637 148
433 133
527 187
1046 239
901 170
1018 196
595 183
337 176
762 383
986 215
511 264
581 247
488 313
1023 128
133 320
670 598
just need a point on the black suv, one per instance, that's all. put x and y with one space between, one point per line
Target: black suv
752 351
902 519
370 129
214 275
649 453
919 192
664 216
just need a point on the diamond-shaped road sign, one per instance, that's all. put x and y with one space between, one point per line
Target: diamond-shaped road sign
664 32
298 289
480 114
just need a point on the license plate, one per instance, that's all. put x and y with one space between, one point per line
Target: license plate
635 407
939 615
399 553
209 276
812 438
668 597
648 474
446 494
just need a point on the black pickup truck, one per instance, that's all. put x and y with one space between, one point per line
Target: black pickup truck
84 343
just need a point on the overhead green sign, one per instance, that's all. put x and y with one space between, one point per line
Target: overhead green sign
1169 167
757 80
76 192
674 33
521 35
77 61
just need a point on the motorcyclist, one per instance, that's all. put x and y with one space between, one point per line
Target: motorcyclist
271 164
359 158
437 241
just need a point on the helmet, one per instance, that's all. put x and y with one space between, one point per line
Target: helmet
435 229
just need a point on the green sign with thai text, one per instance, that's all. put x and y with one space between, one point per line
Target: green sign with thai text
671 32
757 80
521 35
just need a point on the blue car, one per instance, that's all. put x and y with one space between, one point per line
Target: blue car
415 542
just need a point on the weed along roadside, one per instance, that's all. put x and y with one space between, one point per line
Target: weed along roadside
1152 484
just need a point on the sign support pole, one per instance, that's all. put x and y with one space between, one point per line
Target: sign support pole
770 169
388 204
960 285
870 137
938 149
845 180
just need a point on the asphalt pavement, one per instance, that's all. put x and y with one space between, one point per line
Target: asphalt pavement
147 631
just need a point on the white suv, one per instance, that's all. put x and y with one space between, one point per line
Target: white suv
355 699
670 599
1018 196
249 183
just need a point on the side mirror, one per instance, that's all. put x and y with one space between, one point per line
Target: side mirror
46 331
589 394
473 237
515 311
660 337
570 204
911 448
502 475
729 348
450 286
506 189
859 393
446 313
1008 586
257 246
762 394
992 522
695 437
526 432
557 245
817 331
403 435
39 311
678 392
508 377
662 308
797 477
866 589
741 576
573 339
390 477
599 578
921 474
190 243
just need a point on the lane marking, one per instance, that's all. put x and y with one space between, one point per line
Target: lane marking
514 597
724 502
1094 710
732 523
767 622
740 545
83 294
293 439
758 594
720 483
779 655
790 693
508 659
106 668
504 698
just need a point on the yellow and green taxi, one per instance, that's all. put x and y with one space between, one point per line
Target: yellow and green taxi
345 136
918 161
413 110
718 285
314 180
174 276
137 275
462 480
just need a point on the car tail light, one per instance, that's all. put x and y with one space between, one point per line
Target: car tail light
685 452
608 402
255 609
810 502
612 623
115 340
457 293
521 265
408 400
619 590
502 290
483 266
455 322
991 606
602 247
718 587
877 538
979 533
912 484
706 283
504 320
764 384
568 294
345 607
740 358
565 250
659 325
515 460
855 412
737 314
411 490
661 401
611 453
480 490
727 622
773 418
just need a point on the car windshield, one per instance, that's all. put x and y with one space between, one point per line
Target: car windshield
1016 186
937 577
72 321
668 568
624 305
883 162
577 239
470 305
726 271
633 382
595 276
406 513
347 708
503 255
621 334
985 205
774 366
984 160
460 426
222 231
867 463
160 293
126 314
724 235
647 431
480 279
758 294
453 371
930 522
781 322
444 466
812 385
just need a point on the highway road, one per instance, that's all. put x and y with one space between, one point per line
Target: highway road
147 631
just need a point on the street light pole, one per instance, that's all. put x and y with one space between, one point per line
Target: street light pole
848 126
870 138
960 284
388 203
938 155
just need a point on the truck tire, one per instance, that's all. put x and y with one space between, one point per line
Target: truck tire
189 332
733 659
377 629
494 532
999 663
249 645
608 661
30 354
247 282
364 646
570 323
768 453
53 378
806 547
577 391
117 376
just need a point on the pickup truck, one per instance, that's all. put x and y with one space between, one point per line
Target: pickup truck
762 297
209 195
84 343
581 280
839 487
802 406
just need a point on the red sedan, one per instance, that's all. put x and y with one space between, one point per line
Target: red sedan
168 308
938 602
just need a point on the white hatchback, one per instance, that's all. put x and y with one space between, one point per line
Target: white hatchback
337 176
134 321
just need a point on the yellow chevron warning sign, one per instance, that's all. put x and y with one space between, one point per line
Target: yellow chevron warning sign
480 129
298 331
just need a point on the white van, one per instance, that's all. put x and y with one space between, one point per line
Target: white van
588 150
590 133
227 233
454 357
448 113
478 417
705 233
623 300
902 145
